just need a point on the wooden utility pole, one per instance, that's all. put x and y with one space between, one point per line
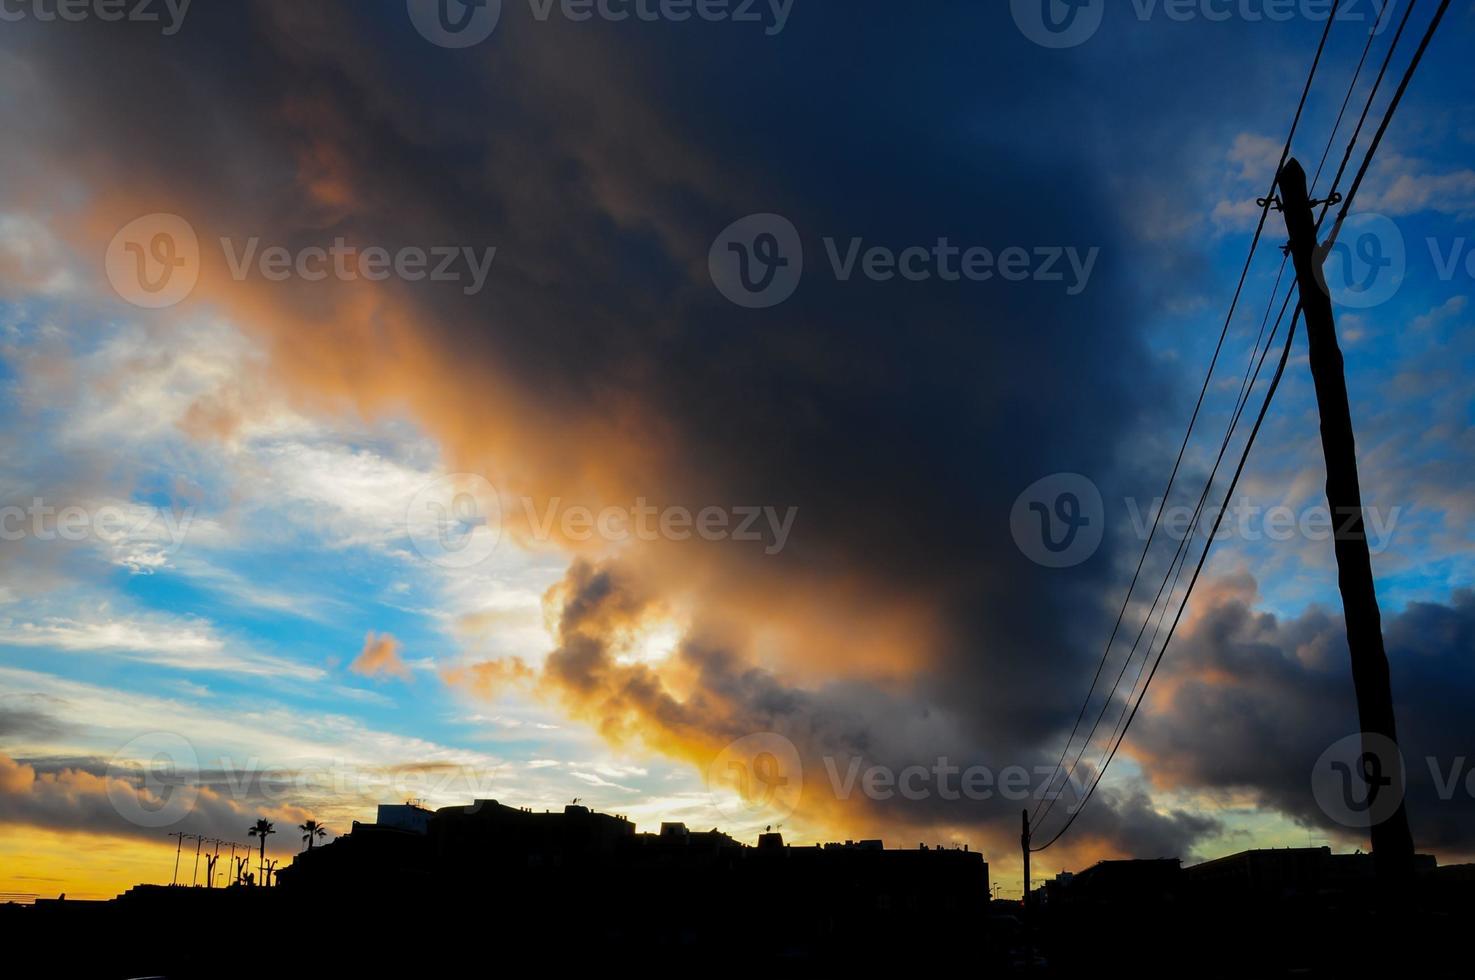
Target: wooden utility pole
177 848
1392 844
1024 847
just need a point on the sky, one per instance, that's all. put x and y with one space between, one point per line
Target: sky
627 409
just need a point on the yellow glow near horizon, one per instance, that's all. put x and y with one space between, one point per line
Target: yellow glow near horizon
47 863
84 866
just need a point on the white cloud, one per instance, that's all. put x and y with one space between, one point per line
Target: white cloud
1256 157
183 643
1252 162
1450 309
31 258
1405 186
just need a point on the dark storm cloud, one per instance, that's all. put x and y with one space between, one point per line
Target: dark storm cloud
31 718
25 723
1257 699
87 795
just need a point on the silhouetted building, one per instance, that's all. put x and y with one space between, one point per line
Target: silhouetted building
1284 873
1277 911
404 816
1056 889
550 874
1126 882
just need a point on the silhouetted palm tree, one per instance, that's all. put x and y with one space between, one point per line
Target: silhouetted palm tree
311 831
262 829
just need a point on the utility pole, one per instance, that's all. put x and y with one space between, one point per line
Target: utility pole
177 848
1392 844
211 860
1024 847
195 878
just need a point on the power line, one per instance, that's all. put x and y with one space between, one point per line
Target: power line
1180 557
1367 159
1239 470
1352 87
1367 108
1048 804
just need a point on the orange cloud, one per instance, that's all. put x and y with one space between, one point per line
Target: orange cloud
489 678
380 655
